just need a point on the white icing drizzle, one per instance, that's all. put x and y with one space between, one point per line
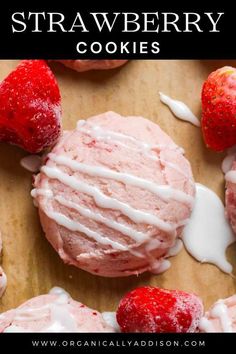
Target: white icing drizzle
125 230
100 133
206 326
61 318
94 133
59 311
227 163
76 226
164 192
148 150
41 191
179 109
231 176
104 134
173 251
15 329
176 168
56 290
31 163
138 236
3 282
228 160
218 311
208 234
110 319
104 201
159 268
153 244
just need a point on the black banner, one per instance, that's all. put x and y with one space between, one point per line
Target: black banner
81 31
117 343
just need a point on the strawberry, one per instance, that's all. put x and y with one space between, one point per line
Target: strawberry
154 310
30 107
219 109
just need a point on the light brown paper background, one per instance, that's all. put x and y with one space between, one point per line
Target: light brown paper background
32 266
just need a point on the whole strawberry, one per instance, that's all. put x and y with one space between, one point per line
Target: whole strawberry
30 107
219 109
154 310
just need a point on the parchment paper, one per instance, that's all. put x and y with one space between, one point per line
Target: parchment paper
31 264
